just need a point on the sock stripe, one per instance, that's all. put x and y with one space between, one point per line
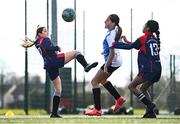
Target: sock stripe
141 96
143 99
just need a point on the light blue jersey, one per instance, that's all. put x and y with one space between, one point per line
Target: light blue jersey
107 44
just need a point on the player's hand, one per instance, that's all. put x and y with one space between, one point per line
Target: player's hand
102 52
124 38
106 69
59 49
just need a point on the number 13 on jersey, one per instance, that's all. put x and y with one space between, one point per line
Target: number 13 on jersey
154 48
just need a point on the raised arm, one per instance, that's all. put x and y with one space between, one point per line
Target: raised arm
121 45
128 45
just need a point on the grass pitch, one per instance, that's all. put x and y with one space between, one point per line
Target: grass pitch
82 119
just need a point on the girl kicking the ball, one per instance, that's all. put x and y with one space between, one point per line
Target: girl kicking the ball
112 62
148 62
54 61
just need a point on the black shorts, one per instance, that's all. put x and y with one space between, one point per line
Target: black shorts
53 68
110 68
53 73
150 76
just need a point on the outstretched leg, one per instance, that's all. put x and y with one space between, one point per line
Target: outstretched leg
118 98
111 89
101 77
80 58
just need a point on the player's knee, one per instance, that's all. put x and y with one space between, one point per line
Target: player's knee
77 52
143 89
130 86
94 83
57 93
58 90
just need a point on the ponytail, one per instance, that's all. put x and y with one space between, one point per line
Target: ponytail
28 42
154 28
158 38
157 35
115 18
118 33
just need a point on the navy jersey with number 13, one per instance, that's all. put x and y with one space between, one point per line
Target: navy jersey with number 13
148 55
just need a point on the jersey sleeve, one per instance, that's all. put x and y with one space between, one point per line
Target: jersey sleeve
111 38
49 46
136 44
121 45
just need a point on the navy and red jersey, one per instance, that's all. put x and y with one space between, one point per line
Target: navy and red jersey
148 55
49 53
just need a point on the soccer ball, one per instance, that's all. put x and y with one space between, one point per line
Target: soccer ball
68 14
9 114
